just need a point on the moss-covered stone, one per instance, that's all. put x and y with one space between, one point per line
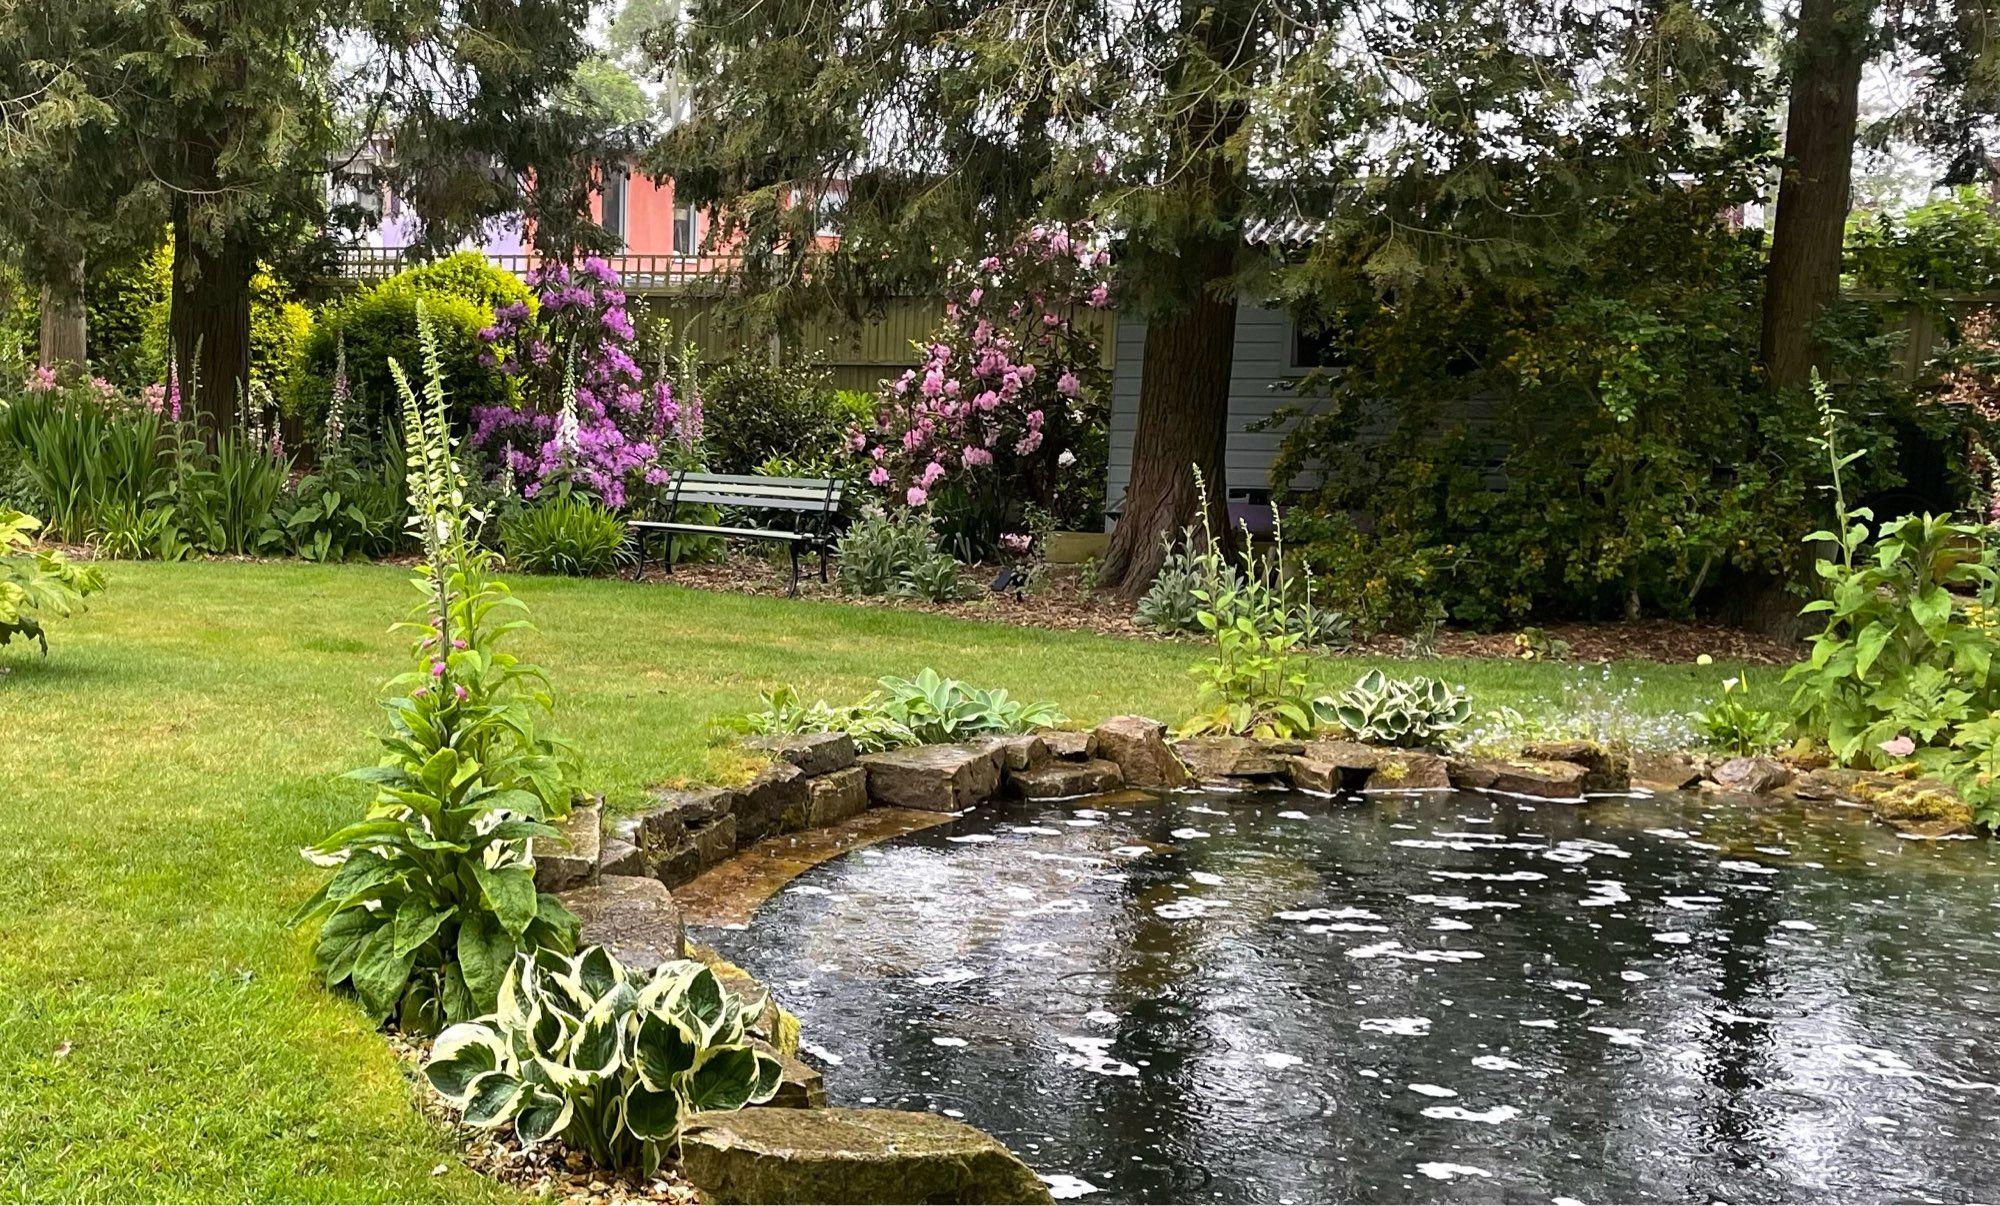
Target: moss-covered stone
782 1156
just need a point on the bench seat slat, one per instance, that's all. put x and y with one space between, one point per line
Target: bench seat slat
713 530
692 498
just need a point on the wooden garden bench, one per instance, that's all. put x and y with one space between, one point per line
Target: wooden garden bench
814 503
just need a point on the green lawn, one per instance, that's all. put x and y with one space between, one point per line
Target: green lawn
160 1035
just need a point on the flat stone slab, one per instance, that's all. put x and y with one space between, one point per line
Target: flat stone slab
1022 752
813 753
1609 770
1139 746
773 802
663 826
783 1157
832 798
1068 745
1212 758
730 893
1330 767
934 778
619 857
571 861
1656 771
1060 780
1521 777
1752 776
702 847
634 916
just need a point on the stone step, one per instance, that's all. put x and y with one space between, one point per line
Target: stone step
1139 746
633 916
781 1156
935 778
571 861
1070 746
1059 780
812 753
1521 777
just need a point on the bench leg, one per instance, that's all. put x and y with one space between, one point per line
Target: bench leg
822 562
794 546
639 553
667 561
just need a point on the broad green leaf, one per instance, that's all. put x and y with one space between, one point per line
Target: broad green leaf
510 893
461 1054
724 1078
484 951
652 1114
664 1048
417 918
380 973
544 1116
492 1099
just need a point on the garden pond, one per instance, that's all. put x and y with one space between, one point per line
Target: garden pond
1420 997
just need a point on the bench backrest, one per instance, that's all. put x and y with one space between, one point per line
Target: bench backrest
814 494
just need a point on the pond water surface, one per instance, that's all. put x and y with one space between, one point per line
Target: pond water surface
1444 997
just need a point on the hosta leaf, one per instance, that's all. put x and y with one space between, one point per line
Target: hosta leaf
724 1078
492 1099
665 1048
598 971
597 1049
652 1114
544 1116
462 1054
770 1074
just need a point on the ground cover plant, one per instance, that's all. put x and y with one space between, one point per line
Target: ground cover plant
37 585
163 776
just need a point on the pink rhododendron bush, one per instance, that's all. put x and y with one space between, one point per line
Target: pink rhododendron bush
592 415
1001 426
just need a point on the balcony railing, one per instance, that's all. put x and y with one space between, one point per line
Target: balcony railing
664 273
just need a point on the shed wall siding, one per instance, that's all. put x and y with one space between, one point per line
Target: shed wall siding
1261 378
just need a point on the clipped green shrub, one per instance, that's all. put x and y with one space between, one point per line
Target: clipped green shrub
459 294
754 411
565 534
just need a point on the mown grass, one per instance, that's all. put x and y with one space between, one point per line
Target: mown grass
161 1037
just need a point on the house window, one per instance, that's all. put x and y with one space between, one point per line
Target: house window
687 230
616 182
1315 346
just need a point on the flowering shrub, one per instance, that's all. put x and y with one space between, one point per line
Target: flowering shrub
1006 408
589 413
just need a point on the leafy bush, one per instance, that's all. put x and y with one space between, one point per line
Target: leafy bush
879 549
37 586
87 454
1391 711
435 895
459 295
755 411
1732 725
344 512
924 710
229 502
140 532
607 1060
565 534
935 579
1173 603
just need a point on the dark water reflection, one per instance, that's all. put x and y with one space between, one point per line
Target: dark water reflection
1422 998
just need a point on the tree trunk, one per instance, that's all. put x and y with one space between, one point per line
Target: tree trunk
1828 52
64 338
209 325
1183 425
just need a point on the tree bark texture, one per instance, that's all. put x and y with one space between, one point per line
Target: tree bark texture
64 335
209 325
1829 50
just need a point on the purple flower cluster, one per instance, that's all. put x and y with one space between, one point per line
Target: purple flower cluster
1008 358
589 413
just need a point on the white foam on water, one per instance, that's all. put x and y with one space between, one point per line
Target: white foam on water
1734 1018
1396 950
1213 812
1497 1063
1497 1114
1206 878
1745 865
1188 834
1449 923
1497 877
954 975
1343 914
1101 1017
1619 1036
1037 830
1346 927
1540 1023
1095 814
1570 985
1806 926
1438 1171
821 1054
1410 1026
940 1041
1633 977
1189 906
1875 1061
1673 937
807 890
1774 851
1293 814
1093 1055
1278 1061
1460 904
1604 892
971 838
1083 823
1063 1187
1692 904
1065 905
1677 835
1433 1090
1132 851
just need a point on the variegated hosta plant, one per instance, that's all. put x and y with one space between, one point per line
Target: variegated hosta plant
435 892
606 1060
1397 711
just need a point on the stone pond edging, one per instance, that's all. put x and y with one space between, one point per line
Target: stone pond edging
797 1149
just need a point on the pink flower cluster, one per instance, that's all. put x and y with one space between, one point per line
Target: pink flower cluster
1007 367
616 430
